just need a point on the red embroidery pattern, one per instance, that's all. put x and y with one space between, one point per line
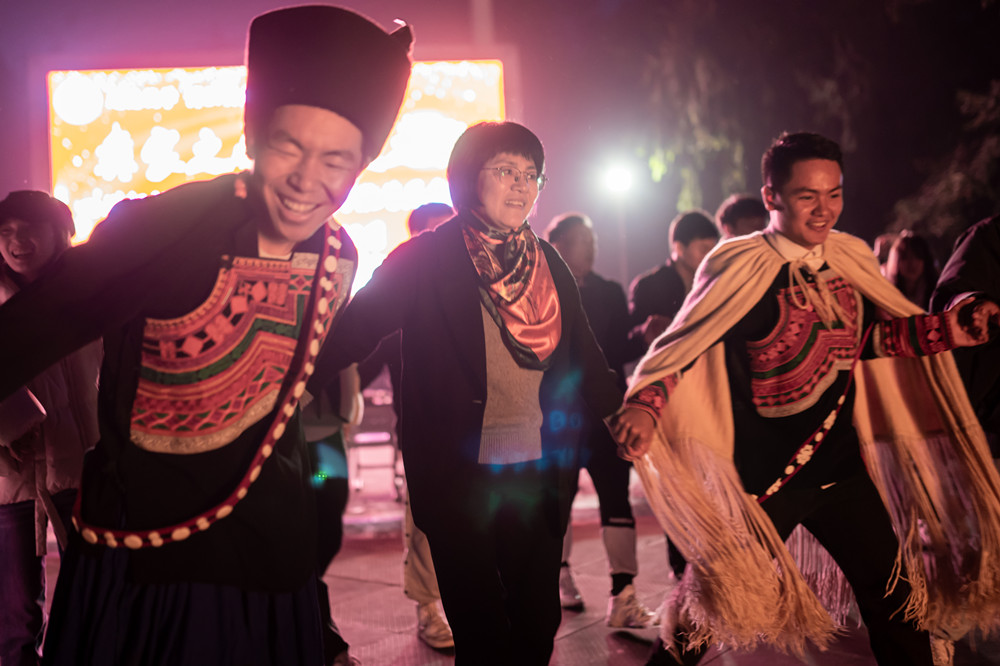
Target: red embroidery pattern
805 452
209 375
326 292
919 335
653 398
792 365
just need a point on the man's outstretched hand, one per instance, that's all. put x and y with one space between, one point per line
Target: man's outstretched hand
972 320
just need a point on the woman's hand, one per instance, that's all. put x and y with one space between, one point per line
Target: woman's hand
633 430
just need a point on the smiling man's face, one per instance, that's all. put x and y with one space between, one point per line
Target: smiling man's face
807 206
305 168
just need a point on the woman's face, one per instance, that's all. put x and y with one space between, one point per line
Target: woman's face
910 265
506 198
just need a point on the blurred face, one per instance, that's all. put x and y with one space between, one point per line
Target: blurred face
578 249
908 263
809 205
505 202
746 225
691 255
27 248
305 169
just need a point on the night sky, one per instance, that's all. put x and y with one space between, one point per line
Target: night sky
882 77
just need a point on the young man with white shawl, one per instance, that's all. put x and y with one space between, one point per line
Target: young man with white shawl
797 386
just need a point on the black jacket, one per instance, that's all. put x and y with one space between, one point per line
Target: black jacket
429 290
159 257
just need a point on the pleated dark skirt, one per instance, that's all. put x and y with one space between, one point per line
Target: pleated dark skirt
100 618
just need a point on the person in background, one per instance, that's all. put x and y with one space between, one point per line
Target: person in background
419 579
427 217
495 349
572 234
741 214
197 524
974 268
883 243
911 267
657 294
40 469
798 386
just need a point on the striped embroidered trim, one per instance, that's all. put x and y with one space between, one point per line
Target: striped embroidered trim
805 452
920 335
320 312
651 399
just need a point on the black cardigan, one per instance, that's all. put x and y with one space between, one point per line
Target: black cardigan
429 290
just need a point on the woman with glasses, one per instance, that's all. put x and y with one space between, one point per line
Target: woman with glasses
496 351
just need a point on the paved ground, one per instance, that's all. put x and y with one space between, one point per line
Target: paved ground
368 604
380 622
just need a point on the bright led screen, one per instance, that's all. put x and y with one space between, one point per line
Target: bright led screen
118 134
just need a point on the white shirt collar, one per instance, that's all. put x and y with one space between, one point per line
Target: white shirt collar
790 250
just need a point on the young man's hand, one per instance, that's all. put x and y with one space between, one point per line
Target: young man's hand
972 321
633 429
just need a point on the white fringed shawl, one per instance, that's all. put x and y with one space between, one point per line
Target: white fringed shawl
924 450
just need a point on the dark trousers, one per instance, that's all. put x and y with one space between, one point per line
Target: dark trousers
328 461
850 521
22 579
610 475
497 565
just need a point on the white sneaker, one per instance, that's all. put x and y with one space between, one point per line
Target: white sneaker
569 596
625 610
432 627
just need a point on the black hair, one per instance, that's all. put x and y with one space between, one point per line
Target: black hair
692 225
562 224
421 216
476 146
787 149
921 248
38 208
739 206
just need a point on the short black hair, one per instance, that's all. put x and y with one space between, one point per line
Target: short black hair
420 217
692 225
476 146
787 149
562 224
738 206
38 208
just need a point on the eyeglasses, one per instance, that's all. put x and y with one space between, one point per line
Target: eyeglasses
510 175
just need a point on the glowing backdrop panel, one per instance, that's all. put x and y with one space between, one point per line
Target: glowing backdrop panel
130 133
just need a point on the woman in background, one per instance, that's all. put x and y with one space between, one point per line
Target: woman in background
911 267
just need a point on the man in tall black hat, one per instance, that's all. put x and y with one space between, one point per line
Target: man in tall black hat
195 525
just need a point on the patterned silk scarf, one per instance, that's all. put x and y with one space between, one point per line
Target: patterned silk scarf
517 290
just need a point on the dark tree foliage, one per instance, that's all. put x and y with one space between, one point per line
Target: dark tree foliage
893 82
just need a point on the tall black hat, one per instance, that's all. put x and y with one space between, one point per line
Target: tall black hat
331 58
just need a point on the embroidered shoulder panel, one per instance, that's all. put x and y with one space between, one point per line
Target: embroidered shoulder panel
793 365
208 376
